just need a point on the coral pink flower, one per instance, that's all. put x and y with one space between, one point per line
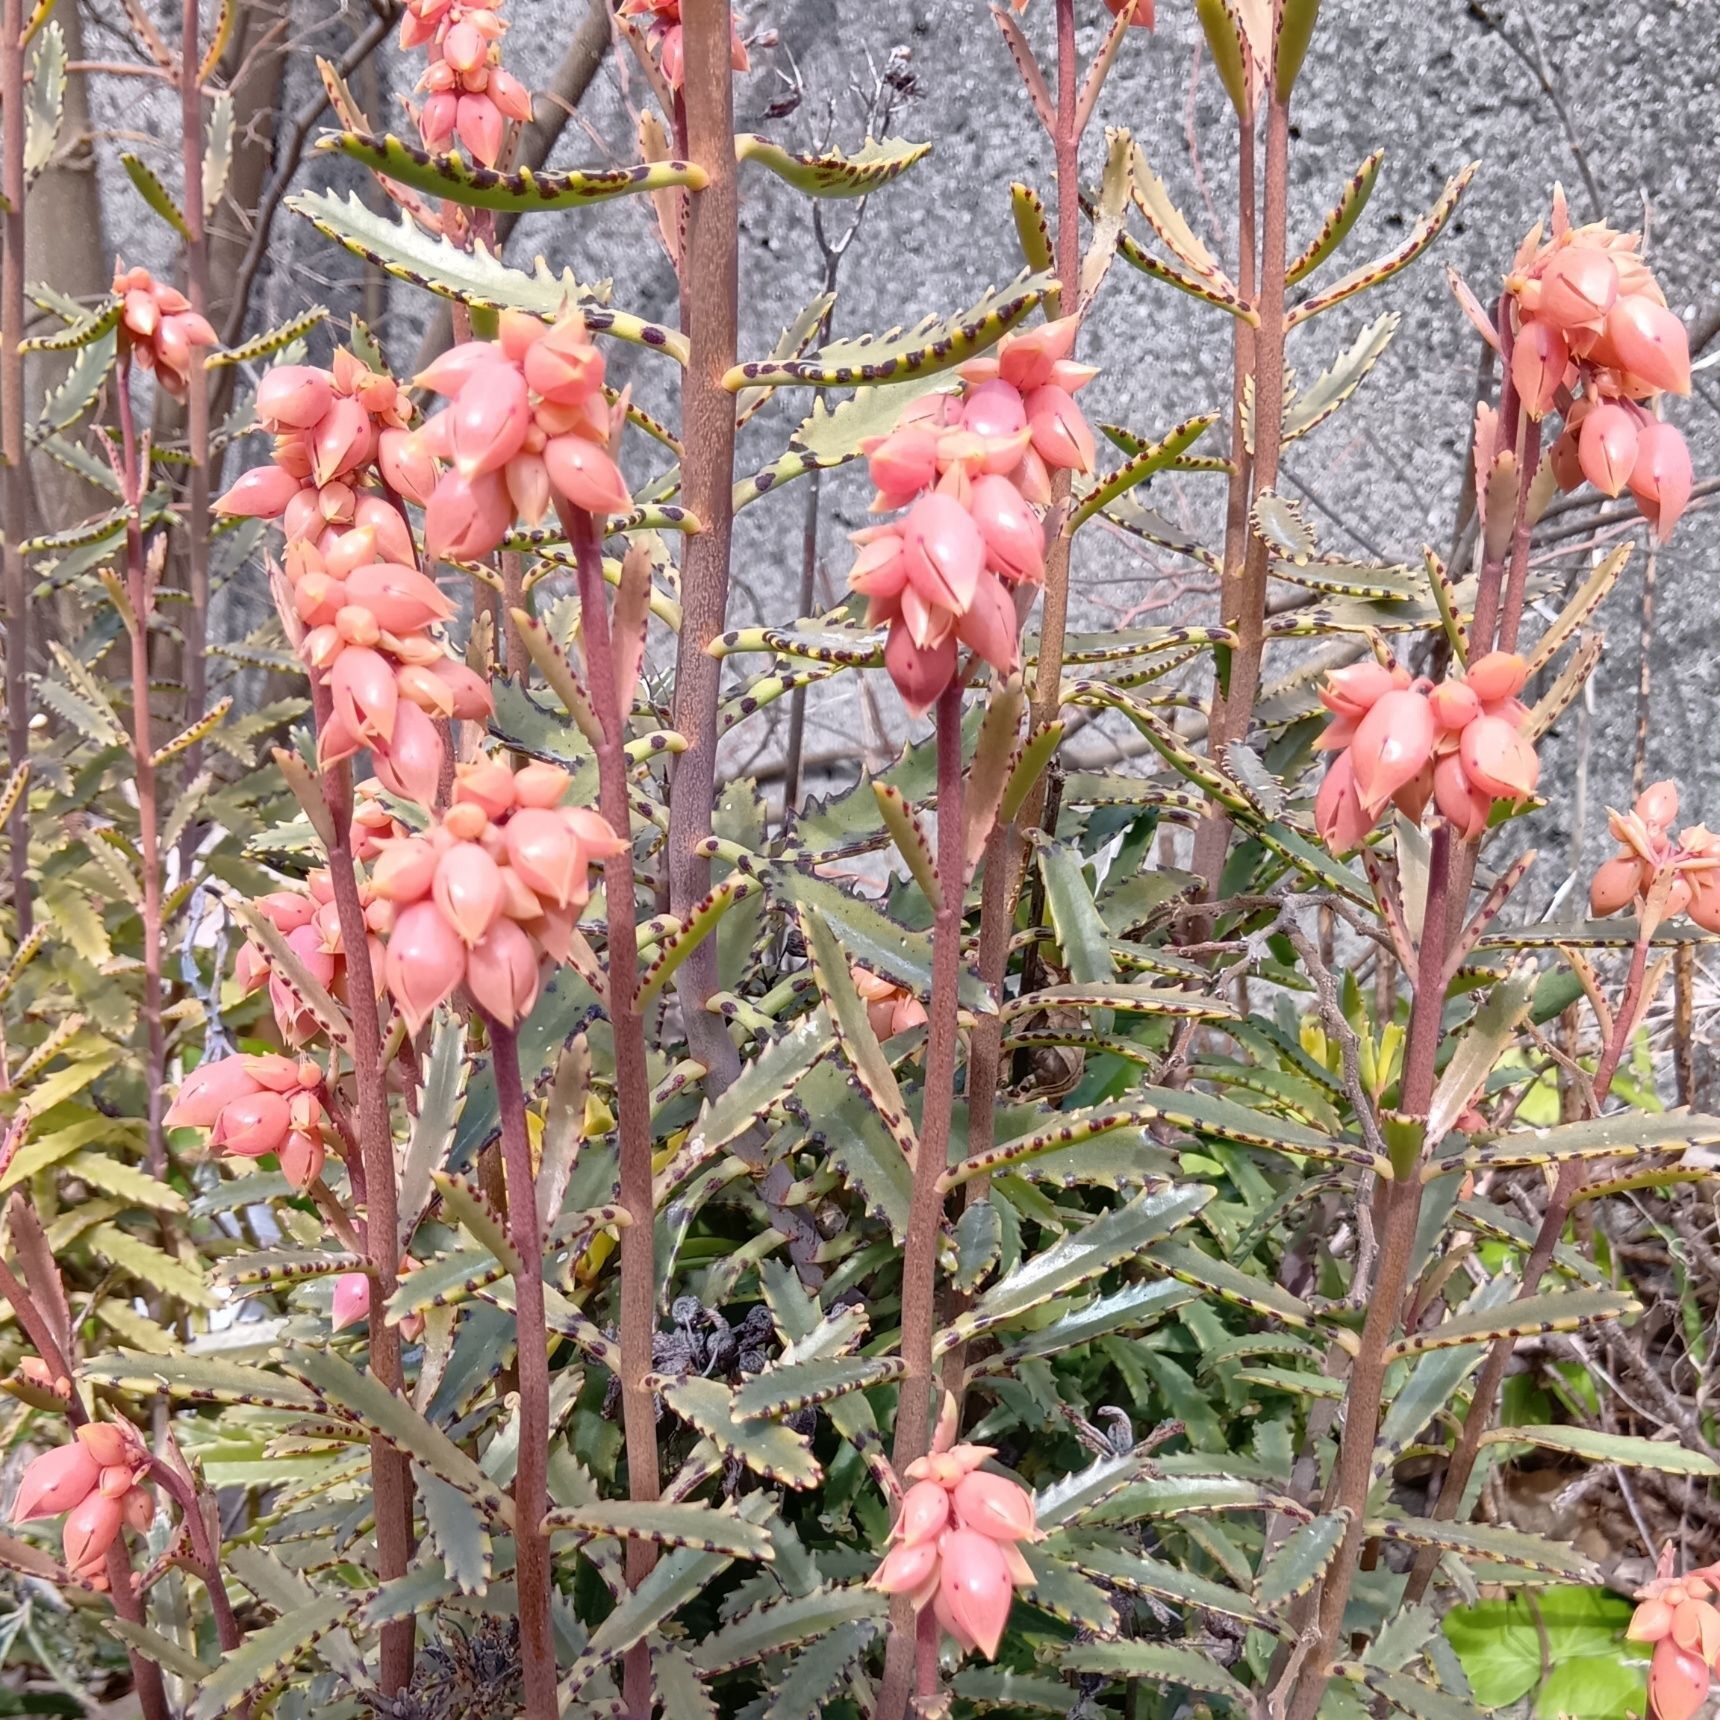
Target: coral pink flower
55 1482
1678 1616
158 328
1661 479
891 1008
1650 343
975 1591
426 960
1607 447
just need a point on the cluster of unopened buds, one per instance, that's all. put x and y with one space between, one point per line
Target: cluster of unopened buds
890 1008
159 328
1595 341
467 94
973 470
488 892
1678 1616
96 1479
663 36
957 1543
256 1105
363 617
1404 743
529 422
1687 865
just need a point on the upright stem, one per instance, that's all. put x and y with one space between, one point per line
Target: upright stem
632 1083
140 590
926 1204
1245 596
14 480
391 1479
197 390
1567 1186
531 1476
711 265
1364 1392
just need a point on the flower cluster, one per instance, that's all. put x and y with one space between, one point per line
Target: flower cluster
1400 742
973 470
258 1105
1678 1615
1595 341
957 1545
488 892
467 94
529 421
363 617
663 37
1648 853
97 1481
158 327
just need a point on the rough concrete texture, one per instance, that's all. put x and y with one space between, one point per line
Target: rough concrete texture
1429 82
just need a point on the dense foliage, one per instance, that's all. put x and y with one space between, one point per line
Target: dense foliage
499 1221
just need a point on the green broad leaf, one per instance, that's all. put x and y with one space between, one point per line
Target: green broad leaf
45 100
267 1655
1421 236
680 1576
787 1623
764 1082
767 1447
702 921
1079 1257
1135 1574
154 193
1119 995
1082 934
979 1244
1231 1284
1297 1565
1061 1590
201 1379
439 1099
458 1533
1500 1645
455 180
365 1397
1478 1051
817 1671
272 1268
1071 1129
782 1390
929 348
217 151
1596 1687
1145 459
150 1265
869 1157
1528 1316
988 1687
270 341
706 1528
104 319
1625 1134
1432 1384
1134 1308
1483 1542
1419 1700
1315 404
1403 1637
833 173
153 1646
1163 1663
1667 1456
476 277
1339 220
74 394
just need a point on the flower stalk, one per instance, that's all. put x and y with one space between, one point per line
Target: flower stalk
14 479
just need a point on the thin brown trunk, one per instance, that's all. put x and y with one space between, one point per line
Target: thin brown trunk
14 481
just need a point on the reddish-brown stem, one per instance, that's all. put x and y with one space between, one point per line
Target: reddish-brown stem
197 393
141 593
531 1483
1567 1186
926 1205
391 1479
710 258
1364 1392
1245 596
145 1674
14 480
632 1082
201 1525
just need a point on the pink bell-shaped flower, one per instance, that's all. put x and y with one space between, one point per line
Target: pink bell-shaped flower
1677 1681
207 1091
995 1506
294 397
1650 342
410 762
364 692
1579 286
990 627
1014 536
1338 814
1497 760
1497 676
261 493
351 1300
1061 436
401 598
425 961
1607 447
943 551
468 890
563 365
91 1529
406 468
502 973
910 1569
467 518
1538 362
481 128
920 673
489 420
404 870
1393 742
975 1590
1661 480
924 1516
251 1126
903 463
543 851
55 1482
586 475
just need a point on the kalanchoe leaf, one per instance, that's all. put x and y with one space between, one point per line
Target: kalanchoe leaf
75 393
1231 1284
818 1669
935 345
1425 231
271 341
1109 210
1061 1590
218 151
834 173
869 1156
1164 1663
1562 1311
219 38
1315 404
1339 220
440 1095
46 97
1597 585
1226 298
1146 458
151 1644
1290 46
1134 1574
1172 227
464 1203
1603 1137
285 960
154 193
781 1390
268 1653
704 1528
1027 64
1669 1456
703 919
201 1379
1489 1545
458 1533
445 1282
1034 233
768 1447
1302 1560
766 691
911 842
272 1267
455 180
1569 683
